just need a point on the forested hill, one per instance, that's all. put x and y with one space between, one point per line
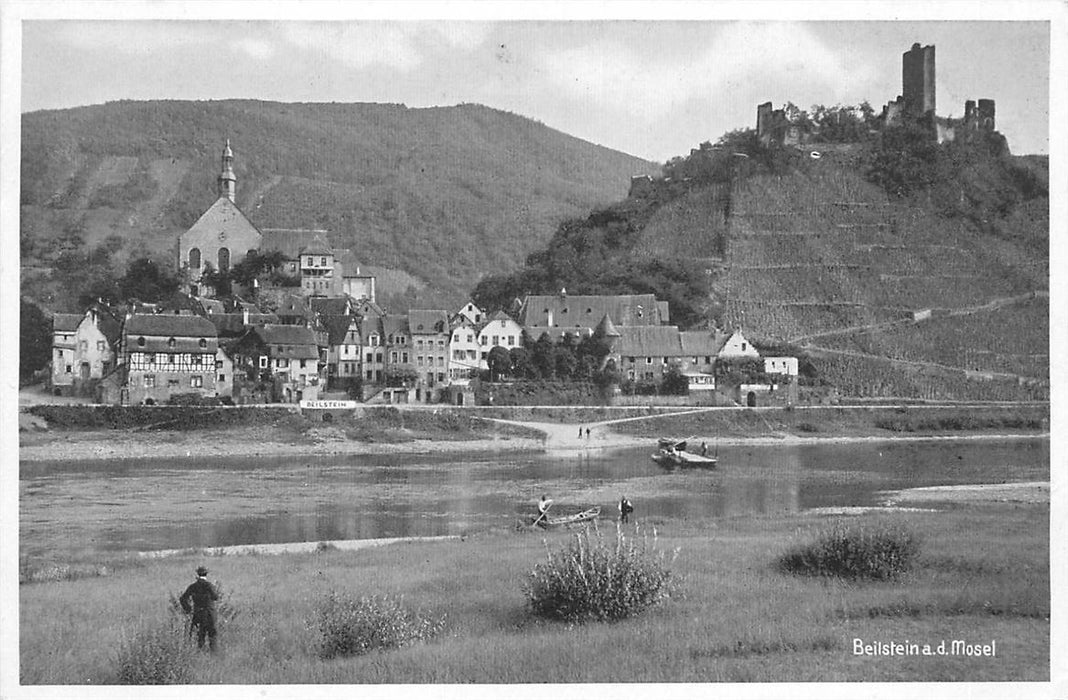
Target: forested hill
430 199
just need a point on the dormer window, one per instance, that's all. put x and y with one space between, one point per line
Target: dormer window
202 343
171 342
141 341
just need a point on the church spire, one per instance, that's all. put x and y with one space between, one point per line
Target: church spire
227 179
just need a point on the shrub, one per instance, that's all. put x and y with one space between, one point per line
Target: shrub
595 579
158 654
350 626
875 552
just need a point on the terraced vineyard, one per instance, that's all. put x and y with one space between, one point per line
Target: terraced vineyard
821 258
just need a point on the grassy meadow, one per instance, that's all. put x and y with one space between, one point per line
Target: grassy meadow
981 575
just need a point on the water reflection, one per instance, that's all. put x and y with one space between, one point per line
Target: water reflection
65 507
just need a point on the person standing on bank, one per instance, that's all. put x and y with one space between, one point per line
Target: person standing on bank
199 599
625 509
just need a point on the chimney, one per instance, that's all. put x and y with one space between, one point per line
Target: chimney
244 315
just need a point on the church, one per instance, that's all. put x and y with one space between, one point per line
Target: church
223 236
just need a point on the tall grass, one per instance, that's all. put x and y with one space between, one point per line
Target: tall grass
351 626
161 652
859 552
597 579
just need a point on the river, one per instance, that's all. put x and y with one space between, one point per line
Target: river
76 511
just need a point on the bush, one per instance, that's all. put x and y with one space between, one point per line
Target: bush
878 552
160 654
594 579
350 626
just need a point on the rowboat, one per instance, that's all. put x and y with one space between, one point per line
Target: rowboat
672 453
561 520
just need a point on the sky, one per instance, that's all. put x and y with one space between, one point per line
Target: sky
654 89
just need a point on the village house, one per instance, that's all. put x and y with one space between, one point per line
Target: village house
578 315
83 350
400 361
286 355
343 365
472 313
430 344
63 347
464 350
164 355
372 350
499 331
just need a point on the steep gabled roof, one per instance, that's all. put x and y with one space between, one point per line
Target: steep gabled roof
108 323
337 327
291 342
606 329
170 325
66 323
223 214
333 306
698 343
649 341
585 311
428 321
394 324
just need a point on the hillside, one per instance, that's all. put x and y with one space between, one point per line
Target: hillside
941 292
429 199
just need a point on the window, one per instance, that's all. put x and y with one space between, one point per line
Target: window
194 258
631 359
282 364
470 338
202 343
419 360
171 342
59 354
419 343
70 369
393 356
378 357
303 364
172 383
196 381
322 261
456 337
83 345
141 342
224 259
511 340
368 375
100 345
370 358
263 362
496 340
404 357
743 347
482 340
222 377
170 358
150 381
708 359
648 360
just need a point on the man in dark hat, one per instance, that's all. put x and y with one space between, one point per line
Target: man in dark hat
199 599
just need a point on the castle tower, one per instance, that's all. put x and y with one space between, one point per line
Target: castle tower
227 179
918 80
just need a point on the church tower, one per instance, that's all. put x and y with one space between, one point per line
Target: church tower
227 179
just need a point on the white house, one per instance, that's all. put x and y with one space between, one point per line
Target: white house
463 349
499 331
781 365
737 347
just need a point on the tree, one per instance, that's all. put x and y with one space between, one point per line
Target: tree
674 382
499 361
217 280
147 281
522 364
35 339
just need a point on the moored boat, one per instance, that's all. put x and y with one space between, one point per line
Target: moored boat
672 453
585 516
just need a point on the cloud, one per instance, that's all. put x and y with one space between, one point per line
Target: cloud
784 61
403 46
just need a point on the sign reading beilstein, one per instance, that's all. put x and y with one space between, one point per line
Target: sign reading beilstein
337 405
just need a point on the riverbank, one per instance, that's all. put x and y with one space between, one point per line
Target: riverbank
421 431
982 574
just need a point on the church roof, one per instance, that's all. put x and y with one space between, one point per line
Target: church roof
223 215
